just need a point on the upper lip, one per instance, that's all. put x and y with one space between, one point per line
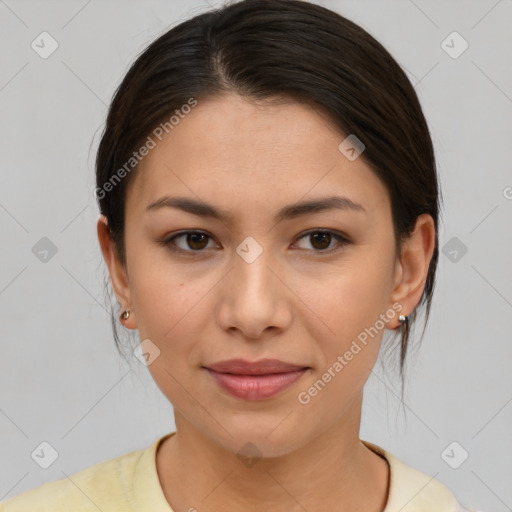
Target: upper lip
261 367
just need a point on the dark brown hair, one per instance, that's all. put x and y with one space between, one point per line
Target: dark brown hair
265 49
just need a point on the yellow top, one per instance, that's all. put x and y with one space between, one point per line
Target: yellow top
130 483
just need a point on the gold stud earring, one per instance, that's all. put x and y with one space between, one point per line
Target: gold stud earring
126 314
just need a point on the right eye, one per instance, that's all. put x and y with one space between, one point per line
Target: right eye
195 240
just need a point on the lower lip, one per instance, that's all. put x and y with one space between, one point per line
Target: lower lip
256 387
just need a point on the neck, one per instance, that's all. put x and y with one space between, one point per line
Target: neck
334 471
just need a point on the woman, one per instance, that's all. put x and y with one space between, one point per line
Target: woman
269 207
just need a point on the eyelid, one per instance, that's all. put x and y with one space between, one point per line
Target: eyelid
339 234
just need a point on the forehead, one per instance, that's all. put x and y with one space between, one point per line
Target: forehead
242 155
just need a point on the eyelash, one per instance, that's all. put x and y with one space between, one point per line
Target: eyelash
168 242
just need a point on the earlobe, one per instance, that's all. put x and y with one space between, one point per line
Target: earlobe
117 271
412 270
124 319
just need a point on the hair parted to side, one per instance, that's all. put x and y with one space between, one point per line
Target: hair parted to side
270 49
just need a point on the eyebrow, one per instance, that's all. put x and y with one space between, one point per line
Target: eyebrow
289 212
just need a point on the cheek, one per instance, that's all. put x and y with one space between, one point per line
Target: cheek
171 312
352 311
167 302
350 308
357 294
168 310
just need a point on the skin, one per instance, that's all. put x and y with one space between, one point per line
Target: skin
294 303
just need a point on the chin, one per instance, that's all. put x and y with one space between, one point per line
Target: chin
261 439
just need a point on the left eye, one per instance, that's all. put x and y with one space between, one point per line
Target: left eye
322 239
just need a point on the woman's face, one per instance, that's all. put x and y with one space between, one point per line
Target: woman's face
261 283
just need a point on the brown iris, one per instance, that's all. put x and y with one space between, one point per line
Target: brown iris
197 238
324 239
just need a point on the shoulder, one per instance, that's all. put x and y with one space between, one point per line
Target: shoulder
411 490
99 487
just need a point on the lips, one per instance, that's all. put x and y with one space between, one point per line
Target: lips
261 367
256 380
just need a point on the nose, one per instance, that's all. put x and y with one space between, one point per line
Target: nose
255 299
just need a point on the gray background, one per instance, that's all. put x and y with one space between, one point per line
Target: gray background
61 379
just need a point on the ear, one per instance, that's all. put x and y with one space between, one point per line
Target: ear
118 272
411 269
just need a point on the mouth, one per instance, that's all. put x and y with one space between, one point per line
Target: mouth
257 380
